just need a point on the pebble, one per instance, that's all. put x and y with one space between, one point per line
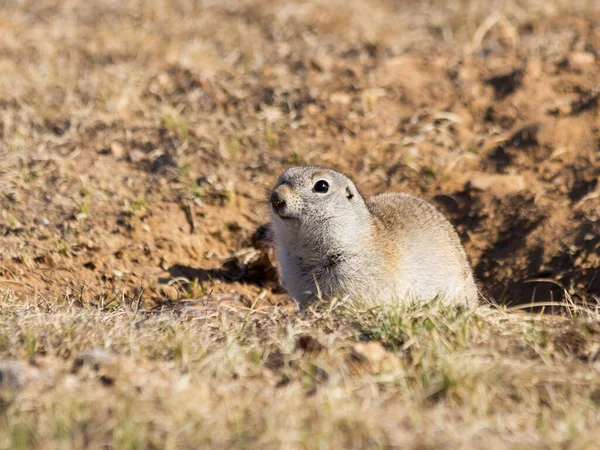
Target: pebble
498 184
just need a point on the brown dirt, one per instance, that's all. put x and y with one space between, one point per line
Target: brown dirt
138 141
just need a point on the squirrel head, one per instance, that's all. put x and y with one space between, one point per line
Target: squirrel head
309 196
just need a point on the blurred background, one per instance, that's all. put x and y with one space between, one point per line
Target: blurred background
139 136
139 306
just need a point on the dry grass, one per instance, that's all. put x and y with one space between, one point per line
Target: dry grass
137 141
92 377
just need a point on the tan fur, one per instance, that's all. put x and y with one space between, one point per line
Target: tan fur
390 248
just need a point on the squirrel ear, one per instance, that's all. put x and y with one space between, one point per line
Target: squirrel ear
349 194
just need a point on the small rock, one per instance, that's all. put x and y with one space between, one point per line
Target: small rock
341 98
136 155
313 109
272 114
164 79
581 59
498 184
372 352
117 149
323 63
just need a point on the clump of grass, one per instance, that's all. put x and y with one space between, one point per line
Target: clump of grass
195 289
473 149
12 221
185 170
233 147
7 296
228 195
29 175
85 202
195 189
271 137
63 247
397 326
174 121
297 158
134 207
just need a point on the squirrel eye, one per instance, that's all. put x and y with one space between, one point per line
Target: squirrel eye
321 187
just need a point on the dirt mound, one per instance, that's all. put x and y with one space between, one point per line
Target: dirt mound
137 150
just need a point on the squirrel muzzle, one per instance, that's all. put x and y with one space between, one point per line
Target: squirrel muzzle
285 202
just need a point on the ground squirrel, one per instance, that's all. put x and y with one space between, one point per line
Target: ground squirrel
390 248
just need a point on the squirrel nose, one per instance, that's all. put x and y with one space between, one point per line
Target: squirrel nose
276 200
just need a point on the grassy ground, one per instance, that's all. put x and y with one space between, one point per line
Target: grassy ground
342 377
138 140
